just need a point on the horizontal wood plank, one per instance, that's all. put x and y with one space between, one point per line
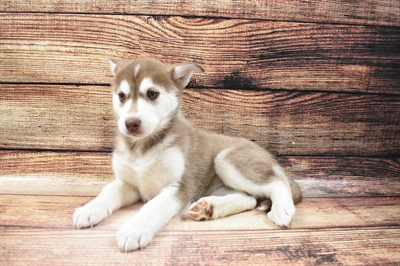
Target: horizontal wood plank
373 12
72 117
237 54
374 246
97 165
63 165
284 122
299 123
85 174
63 184
312 213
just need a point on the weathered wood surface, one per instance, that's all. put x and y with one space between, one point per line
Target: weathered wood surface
312 213
83 165
353 246
237 54
371 12
97 165
337 231
317 83
72 117
63 184
65 173
285 122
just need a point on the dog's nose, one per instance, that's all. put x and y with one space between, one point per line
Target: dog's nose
132 124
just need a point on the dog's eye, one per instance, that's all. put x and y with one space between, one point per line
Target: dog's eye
152 95
121 96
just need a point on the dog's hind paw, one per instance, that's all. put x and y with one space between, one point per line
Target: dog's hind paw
282 215
200 211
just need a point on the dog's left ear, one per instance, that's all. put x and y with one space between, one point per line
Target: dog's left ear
181 74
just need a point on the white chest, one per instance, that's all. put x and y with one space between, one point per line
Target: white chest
151 172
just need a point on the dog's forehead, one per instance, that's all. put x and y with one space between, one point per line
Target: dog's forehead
143 70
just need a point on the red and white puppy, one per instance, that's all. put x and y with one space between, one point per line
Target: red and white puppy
161 159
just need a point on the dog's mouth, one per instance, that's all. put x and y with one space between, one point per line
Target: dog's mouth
135 135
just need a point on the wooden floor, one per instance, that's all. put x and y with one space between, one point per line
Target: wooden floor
36 229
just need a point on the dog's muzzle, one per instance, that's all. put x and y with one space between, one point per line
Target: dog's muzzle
132 125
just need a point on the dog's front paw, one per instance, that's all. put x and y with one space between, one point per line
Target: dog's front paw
89 215
281 214
134 235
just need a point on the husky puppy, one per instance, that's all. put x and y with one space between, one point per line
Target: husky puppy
163 160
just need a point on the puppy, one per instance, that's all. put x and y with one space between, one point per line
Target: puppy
163 160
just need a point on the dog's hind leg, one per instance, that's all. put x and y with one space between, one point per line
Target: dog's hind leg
221 203
258 175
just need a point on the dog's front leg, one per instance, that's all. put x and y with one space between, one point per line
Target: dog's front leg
138 231
113 196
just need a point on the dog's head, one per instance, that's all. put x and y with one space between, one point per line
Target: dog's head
147 94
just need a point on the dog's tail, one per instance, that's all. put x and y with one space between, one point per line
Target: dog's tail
296 192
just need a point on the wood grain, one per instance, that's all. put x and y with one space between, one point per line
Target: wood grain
85 174
356 12
237 54
63 184
341 168
72 117
298 123
312 213
355 246
322 176
284 122
83 165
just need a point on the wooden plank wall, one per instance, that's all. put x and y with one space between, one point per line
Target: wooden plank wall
315 82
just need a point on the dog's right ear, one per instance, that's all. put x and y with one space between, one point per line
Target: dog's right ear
117 64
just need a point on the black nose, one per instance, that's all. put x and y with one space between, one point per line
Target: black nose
132 124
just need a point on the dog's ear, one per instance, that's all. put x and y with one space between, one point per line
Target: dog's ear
117 64
181 74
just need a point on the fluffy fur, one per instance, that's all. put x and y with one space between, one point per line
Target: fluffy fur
160 158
